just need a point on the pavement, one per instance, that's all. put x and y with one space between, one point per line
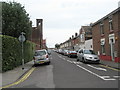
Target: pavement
111 64
13 75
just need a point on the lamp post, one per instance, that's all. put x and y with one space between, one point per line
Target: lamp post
22 39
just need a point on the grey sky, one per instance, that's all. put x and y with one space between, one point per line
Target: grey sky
62 18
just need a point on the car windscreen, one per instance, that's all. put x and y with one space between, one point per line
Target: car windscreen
72 51
89 52
40 53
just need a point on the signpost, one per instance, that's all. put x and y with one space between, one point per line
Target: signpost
22 39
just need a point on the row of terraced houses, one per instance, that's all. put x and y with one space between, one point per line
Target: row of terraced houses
103 37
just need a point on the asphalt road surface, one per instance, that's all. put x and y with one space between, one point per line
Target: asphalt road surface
65 72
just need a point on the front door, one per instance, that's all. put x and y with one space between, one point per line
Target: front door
112 49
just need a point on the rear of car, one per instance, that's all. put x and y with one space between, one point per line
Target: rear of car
72 54
41 57
65 52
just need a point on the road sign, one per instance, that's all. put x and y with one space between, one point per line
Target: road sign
21 38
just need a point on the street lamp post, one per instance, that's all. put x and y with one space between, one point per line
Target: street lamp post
22 39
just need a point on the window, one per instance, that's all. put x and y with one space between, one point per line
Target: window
82 38
89 52
110 24
101 28
81 51
103 46
103 49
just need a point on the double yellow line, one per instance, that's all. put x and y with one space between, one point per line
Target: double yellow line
20 80
110 68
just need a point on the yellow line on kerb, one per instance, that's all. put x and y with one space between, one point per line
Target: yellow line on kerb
109 67
21 80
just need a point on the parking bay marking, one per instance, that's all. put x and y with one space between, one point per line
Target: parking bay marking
69 61
109 67
97 68
101 77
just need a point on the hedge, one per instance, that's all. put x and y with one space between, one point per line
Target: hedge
11 52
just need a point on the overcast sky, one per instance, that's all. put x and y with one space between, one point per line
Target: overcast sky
63 18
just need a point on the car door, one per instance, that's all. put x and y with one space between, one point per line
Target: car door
80 55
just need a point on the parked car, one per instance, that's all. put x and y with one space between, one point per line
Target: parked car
49 51
65 52
59 51
85 56
41 57
72 54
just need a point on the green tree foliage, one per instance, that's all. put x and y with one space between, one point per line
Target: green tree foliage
57 46
15 20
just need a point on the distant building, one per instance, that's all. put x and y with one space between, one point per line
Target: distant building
44 44
106 36
79 40
85 34
37 34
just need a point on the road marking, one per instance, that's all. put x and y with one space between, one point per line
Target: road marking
96 67
69 61
21 80
116 76
79 63
51 58
109 67
101 77
74 62
63 58
59 56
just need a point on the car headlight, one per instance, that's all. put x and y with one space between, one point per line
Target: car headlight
88 57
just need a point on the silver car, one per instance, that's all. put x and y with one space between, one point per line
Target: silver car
41 57
85 56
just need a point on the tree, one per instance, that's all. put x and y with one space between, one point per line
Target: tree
15 20
57 46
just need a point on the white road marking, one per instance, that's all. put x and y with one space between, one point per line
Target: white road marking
63 58
116 76
59 56
79 63
74 62
97 68
102 77
69 61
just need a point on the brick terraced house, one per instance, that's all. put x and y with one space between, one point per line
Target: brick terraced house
106 36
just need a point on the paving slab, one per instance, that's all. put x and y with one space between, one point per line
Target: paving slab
13 75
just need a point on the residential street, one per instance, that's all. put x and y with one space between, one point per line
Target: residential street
64 72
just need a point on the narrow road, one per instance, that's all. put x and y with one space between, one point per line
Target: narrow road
64 72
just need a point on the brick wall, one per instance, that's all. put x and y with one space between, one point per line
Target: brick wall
116 31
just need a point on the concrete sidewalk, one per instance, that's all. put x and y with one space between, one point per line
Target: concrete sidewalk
13 75
111 64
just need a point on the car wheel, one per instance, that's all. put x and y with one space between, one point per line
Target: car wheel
48 63
83 60
77 59
35 65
